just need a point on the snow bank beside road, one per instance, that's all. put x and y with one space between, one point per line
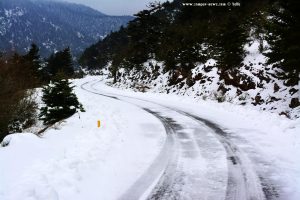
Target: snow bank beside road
77 160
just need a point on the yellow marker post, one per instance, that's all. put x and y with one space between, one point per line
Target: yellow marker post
98 123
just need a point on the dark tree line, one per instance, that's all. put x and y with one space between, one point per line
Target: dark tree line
182 36
18 76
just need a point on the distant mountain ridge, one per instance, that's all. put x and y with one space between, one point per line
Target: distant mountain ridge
53 25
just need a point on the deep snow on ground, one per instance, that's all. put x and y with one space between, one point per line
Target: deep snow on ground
77 160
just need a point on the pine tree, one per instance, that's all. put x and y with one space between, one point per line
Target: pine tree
33 60
33 55
60 101
284 33
230 41
67 62
60 62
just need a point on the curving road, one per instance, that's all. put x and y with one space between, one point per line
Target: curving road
197 161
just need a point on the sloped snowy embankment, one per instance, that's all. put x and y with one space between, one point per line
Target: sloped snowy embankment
77 160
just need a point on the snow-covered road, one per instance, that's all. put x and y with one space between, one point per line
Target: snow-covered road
195 167
154 146
183 171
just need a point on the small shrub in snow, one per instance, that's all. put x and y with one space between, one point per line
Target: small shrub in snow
243 97
25 114
219 97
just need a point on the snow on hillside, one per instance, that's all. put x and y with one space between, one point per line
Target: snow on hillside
254 84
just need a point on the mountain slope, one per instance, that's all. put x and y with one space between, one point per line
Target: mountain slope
53 25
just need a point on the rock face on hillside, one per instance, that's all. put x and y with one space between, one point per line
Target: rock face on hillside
53 25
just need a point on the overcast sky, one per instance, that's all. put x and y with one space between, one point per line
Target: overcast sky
116 7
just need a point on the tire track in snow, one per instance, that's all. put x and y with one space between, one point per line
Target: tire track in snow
160 165
243 182
253 185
